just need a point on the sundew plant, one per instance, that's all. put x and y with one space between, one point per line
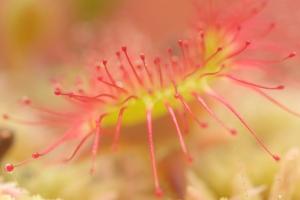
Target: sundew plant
133 87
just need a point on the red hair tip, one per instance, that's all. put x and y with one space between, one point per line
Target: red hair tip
180 43
57 92
142 56
92 171
233 132
36 155
5 116
124 48
219 49
150 91
280 87
26 100
248 43
272 24
100 78
277 158
204 124
293 54
190 159
176 96
104 61
159 192
9 168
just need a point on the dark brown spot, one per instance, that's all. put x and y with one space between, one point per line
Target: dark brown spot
6 140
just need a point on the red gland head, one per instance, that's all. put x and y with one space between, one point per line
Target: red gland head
35 155
159 192
124 48
280 87
180 43
57 92
142 56
293 54
9 168
277 158
26 100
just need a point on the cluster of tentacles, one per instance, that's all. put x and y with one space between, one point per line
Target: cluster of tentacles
130 85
